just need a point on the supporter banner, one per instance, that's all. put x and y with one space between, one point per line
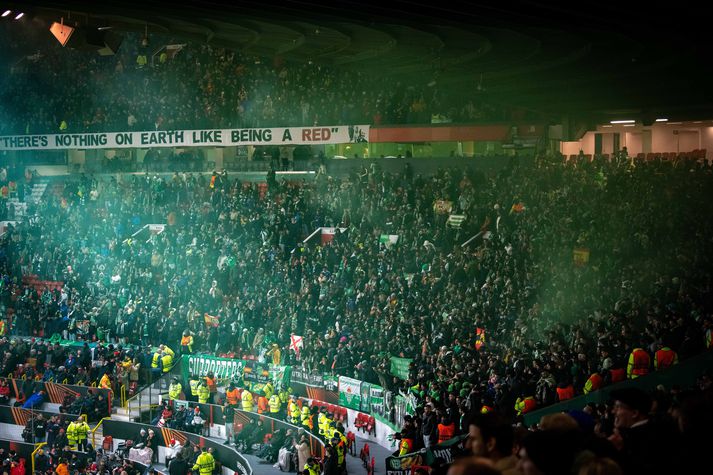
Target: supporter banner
19 416
436 457
261 373
350 393
190 138
222 368
305 377
331 383
402 465
231 369
314 386
399 367
376 400
364 395
403 406
225 455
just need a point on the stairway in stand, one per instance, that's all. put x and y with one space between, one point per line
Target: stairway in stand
38 192
148 396
18 209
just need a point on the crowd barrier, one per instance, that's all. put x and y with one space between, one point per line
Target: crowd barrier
216 423
20 416
229 458
351 394
56 392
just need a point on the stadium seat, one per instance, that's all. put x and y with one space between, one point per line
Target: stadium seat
371 425
361 422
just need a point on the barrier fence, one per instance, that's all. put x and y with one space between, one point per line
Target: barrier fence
56 392
19 416
347 392
227 456
214 416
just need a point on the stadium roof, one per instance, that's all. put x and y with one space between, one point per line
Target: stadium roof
597 60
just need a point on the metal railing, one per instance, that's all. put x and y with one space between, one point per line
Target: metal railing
146 396
93 432
34 452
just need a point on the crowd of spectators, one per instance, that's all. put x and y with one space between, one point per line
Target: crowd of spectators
36 361
64 461
235 252
201 87
636 432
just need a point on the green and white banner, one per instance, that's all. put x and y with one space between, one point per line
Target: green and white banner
251 372
376 400
331 383
350 393
365 400
222 368
399 367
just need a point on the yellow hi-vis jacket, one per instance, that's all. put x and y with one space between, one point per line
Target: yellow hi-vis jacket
154 360
174 390
203 394
294 411
205 463
72 433
274 404
167 362
247 401
81 429
193 383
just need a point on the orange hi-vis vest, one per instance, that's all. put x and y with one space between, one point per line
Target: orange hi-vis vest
593 383
639 362
261 405
232 397
617 375
665 358
212 384
446 432
565 393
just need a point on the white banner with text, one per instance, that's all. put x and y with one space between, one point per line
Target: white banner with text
190 138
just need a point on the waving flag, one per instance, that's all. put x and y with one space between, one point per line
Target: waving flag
296 344
479 338
210 320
